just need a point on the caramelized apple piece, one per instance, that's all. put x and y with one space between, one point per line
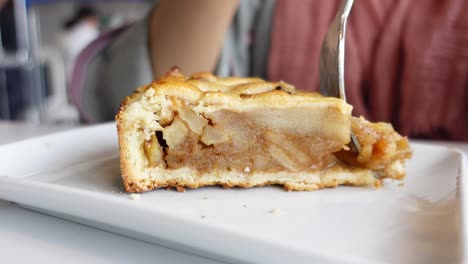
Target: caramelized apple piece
175 133
154 152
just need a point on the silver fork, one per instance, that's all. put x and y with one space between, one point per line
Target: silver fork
331 64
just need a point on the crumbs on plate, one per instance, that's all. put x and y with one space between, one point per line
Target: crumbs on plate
135 196
276 211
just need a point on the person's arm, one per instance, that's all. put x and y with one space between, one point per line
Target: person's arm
188 34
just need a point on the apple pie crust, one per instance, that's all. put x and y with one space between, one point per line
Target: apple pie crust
205 130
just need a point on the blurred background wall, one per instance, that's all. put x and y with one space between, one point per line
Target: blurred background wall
39 42
52 14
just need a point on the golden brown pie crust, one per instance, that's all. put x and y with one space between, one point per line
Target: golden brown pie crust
205 130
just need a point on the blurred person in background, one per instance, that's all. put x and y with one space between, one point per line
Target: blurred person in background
78 31
406 61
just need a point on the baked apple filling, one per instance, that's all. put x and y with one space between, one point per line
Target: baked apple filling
204 130
228 140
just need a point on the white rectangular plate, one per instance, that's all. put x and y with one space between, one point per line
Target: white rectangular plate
75 175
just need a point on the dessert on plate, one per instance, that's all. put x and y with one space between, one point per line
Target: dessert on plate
193 131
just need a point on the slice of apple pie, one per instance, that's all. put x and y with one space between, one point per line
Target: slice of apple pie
204 130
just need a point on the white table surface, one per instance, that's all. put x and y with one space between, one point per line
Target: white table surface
30 237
